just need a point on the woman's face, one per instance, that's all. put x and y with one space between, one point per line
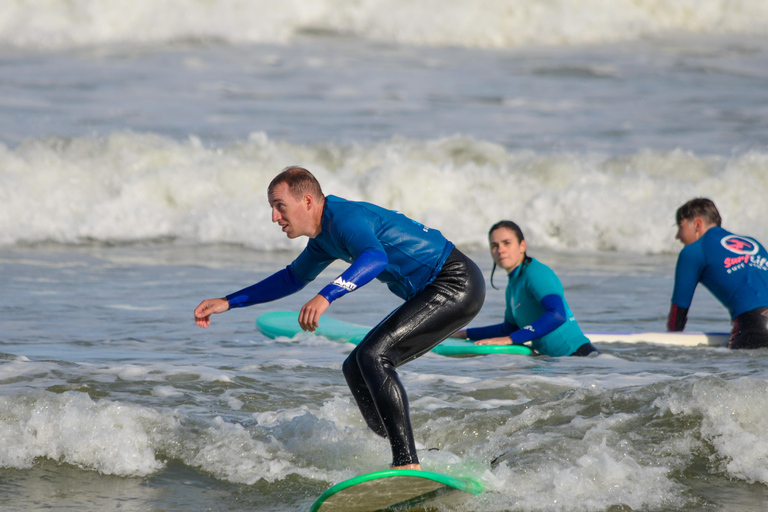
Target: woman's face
507 252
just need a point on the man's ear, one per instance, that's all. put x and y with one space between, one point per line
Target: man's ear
309 201
698 224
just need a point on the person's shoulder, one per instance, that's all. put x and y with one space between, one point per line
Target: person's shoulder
712 238
339 204
539 267
541 278
344 215
332 202
696 250
338 208
538 270
716 232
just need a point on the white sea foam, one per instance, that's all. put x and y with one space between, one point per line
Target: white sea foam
118 438
734 421
482 23
601 462
109 437
160 373
131 187
599 478
22 368
166 391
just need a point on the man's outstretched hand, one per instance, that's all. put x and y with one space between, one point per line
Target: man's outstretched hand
207 308
309 316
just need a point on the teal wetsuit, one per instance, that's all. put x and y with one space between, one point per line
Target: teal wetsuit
537 312
528 285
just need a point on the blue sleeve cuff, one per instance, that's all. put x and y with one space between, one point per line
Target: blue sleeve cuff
491 331
363 270
278 285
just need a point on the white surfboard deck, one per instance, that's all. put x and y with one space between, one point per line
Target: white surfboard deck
681 339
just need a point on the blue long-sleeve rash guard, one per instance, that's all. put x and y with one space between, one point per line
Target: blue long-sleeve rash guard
283 283
278 285
377 243
363 270
553 317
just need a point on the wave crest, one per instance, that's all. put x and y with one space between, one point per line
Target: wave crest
55 24
132 187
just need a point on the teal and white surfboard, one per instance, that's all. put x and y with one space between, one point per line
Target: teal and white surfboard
391 490
286 323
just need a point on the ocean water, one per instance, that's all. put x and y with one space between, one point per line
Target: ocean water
136 142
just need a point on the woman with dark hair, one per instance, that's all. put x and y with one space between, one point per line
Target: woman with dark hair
536 307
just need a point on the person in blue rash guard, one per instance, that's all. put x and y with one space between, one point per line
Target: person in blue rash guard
733 267
536 308
442 289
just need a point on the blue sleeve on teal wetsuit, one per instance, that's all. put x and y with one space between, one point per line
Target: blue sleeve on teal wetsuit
491 331
278 285
363 270
553 317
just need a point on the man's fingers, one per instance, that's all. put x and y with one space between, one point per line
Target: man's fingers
309 316
308 319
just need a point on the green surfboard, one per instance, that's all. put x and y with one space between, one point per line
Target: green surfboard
391 490
286 323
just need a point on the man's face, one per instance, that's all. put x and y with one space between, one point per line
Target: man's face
290 213
686 231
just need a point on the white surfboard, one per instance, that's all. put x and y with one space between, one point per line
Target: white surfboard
681 339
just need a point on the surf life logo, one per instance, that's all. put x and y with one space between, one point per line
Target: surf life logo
746 248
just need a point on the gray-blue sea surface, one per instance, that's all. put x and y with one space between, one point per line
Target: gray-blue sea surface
112 397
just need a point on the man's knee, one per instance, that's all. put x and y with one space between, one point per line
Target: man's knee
349 367
366 360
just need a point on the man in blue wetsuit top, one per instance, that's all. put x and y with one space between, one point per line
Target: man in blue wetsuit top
733 267
442 288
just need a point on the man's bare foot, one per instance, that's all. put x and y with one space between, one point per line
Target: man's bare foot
408 466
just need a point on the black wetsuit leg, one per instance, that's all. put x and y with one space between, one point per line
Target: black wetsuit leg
585 350
443 307
750 330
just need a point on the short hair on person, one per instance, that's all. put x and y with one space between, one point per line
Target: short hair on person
699 207
300 182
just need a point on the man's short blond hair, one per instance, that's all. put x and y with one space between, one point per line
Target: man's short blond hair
300 182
